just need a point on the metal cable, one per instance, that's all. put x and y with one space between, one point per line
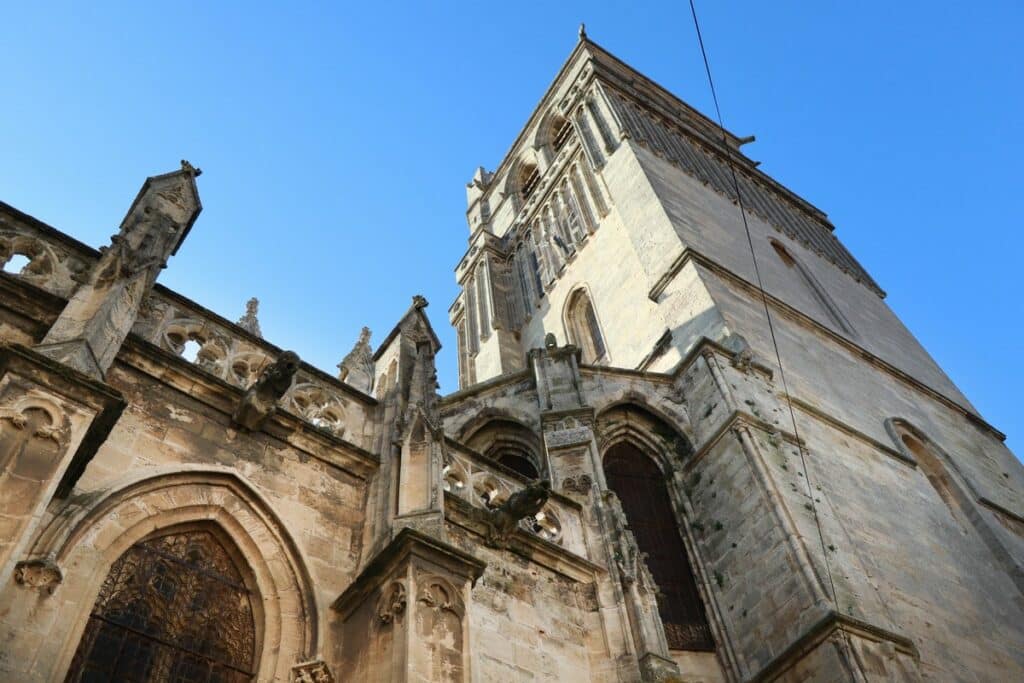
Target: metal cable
764 302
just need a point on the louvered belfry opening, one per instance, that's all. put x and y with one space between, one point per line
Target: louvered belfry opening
173 608
640 485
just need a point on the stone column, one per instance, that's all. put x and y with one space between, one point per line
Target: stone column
628 595
404 618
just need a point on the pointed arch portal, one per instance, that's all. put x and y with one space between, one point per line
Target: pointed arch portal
638 482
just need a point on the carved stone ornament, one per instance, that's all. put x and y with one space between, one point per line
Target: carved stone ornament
631 563
43 574
392 603
249 322
260 400
356 369
312 672
503 521
438 624
580 484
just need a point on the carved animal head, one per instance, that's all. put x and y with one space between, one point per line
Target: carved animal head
528 501
278 375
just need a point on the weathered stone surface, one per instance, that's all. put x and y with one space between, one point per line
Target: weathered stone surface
866 525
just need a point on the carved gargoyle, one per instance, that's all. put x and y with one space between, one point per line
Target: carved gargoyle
260 400
502 522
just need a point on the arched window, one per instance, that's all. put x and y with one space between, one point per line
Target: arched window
482 288
583 328
471 315
814 287
640 486
561 132
528 179
173 608
509 443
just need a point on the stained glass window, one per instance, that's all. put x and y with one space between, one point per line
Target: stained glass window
173 608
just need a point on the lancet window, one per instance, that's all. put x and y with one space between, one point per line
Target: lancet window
483 285
584 329
172 608
471 316
529 179
561 132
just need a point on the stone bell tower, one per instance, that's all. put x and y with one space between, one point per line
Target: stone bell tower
809 446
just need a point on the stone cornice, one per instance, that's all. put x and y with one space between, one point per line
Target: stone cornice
182 375
408 542
829 623
481 387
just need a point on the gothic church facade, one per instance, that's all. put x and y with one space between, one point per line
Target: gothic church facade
627 486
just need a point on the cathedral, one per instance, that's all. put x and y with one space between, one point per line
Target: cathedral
690 442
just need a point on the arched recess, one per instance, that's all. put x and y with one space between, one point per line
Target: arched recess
637 451
88 543
630 418
955 492
509 443
552 134
583 328
814 287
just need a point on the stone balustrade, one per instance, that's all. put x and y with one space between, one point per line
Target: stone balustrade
485 484
55 263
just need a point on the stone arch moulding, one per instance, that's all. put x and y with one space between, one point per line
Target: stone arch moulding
88 542
958 491
650 430
507 440
479 421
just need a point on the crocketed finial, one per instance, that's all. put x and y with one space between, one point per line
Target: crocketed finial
248 322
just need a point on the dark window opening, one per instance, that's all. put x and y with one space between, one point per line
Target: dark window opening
519 463
530 179
639 484
563 131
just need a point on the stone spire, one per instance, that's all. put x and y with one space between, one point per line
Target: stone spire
90 330
356 369
249 322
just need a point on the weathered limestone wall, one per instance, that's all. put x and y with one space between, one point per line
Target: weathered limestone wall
606 267
297 505
930 574
834 380
527 622
711 225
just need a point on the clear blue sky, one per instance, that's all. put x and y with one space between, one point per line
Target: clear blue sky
337 141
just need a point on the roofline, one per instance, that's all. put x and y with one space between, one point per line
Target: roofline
397 328
586 44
